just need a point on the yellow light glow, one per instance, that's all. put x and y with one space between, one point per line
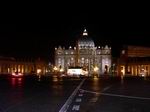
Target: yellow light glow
38 71
123 72
85 72
95 69
55 68
61 70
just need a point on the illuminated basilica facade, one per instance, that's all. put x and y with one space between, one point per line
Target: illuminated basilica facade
86 55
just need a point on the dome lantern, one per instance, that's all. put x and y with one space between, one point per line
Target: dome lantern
85 42
85 32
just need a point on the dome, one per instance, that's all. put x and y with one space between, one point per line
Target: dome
85 41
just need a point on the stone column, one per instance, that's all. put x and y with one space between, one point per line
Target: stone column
148 70
132 70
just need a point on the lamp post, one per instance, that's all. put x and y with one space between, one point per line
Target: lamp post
55 70
61 71
96 70
39 74
39 71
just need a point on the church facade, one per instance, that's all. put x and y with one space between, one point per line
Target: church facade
86 55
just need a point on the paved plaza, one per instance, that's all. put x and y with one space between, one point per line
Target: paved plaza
53 94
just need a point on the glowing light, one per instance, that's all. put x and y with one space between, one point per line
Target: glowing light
74 71
77 72
143 75
143 72
55 68
96 69
16 74
38 71
61 70
85 72
123 51
85 33
123 71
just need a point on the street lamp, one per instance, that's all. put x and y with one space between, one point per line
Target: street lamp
96 70
39 71
61 70
55 68
39 74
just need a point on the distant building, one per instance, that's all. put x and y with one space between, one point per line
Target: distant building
9 65
86 55
134 60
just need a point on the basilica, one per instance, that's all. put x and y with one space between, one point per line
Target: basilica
91 58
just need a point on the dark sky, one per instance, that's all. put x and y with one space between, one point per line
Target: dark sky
35 31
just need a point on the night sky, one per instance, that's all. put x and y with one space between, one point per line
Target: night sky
35 33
